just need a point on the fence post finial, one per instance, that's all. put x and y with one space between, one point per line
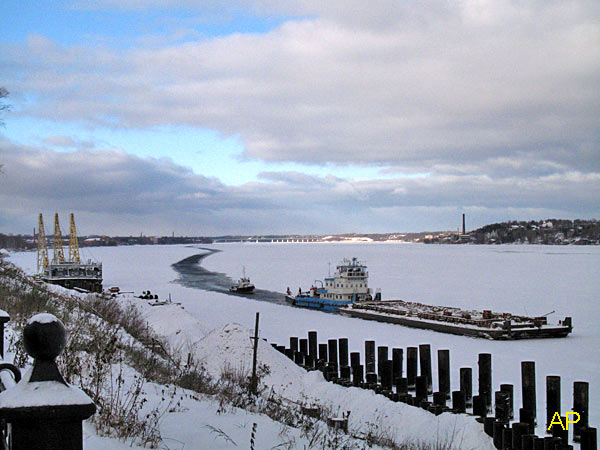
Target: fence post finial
42 410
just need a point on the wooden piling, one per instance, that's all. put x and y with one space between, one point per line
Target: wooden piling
527 416
312 344
479 406
488 426
357 375
559 432
343 348
304 346
466 384
425 365
581 405
294 344
527 441
552 398
382 357
519 430
370 356
444 372
501 402
254 379
421 389
528 387
309 361
409 399
401 386
589 439
323 353
397 360
354 359
538 443
439 398
509 389
299 358
411 366
345 372
497 436
371 378
485 378
332 356
289 352
458 402
549 443
507 434
387 375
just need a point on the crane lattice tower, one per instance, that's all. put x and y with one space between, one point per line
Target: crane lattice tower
57 245
73 243
42 256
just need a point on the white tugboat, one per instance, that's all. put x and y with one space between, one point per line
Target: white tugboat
243 286
348 285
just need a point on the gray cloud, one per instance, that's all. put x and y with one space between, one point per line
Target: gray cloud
113 192
67 142
451 86
496 101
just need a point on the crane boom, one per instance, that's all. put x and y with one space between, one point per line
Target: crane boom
73 243
42 256
59 254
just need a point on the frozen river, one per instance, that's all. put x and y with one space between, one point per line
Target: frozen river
531 280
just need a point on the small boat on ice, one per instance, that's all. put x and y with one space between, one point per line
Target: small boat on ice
243 286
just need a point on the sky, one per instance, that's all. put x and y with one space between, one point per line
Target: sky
212 117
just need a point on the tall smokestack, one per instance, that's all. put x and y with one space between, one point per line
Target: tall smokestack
464 229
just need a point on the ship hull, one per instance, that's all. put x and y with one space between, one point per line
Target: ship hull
76 283
317 303
242 290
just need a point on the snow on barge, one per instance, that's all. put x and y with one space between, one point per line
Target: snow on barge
485 324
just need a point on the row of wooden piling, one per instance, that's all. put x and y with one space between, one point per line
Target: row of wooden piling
415 387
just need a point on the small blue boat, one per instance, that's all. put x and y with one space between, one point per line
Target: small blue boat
349 284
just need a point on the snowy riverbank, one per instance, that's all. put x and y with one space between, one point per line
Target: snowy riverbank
520 279
230 347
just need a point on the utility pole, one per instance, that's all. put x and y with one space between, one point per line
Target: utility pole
254 381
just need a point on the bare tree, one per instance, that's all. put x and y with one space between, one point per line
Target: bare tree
3 106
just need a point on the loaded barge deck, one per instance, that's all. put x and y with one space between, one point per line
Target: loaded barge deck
484 324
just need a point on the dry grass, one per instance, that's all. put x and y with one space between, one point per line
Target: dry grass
106 358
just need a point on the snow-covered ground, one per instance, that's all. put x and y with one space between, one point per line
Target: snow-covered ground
518 279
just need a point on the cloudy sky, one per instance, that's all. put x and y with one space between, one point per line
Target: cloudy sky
207 117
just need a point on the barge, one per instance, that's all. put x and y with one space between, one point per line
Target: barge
69 272
484 324
85 277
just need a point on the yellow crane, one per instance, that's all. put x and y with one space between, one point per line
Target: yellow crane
42 256
73 243
57 245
